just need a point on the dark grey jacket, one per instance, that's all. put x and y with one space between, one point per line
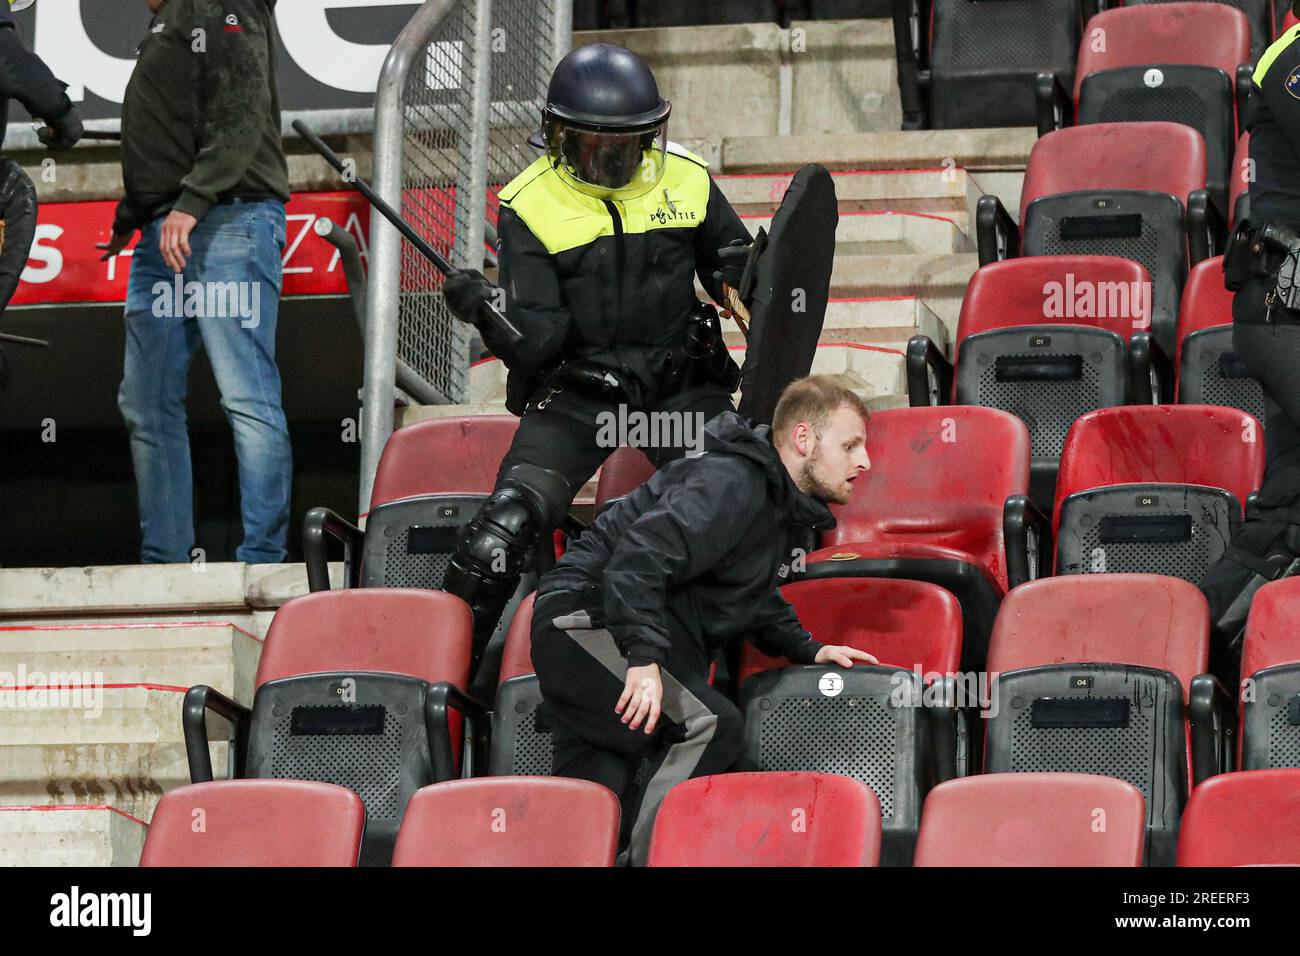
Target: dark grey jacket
201 118
698 552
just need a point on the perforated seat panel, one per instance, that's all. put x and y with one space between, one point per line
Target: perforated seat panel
996 371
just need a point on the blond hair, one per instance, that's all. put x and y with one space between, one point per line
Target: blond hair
813 400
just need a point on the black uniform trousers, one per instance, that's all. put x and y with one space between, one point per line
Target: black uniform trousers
582 674
1271 353
563 436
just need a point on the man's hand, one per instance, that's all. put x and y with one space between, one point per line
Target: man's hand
642 693
175 239
843 655
114 245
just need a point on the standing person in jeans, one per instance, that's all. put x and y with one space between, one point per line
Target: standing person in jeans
206 183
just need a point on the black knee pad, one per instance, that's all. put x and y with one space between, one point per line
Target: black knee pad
499 541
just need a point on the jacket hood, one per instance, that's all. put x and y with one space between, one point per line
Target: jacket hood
729 434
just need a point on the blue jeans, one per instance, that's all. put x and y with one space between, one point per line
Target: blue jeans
227 299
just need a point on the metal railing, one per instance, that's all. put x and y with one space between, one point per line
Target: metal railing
461 89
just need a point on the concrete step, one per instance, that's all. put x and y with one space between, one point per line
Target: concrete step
970 149
70 836
874 372
947 193
887 322
176 653
888 233
96 744
940 280
757 79
245 595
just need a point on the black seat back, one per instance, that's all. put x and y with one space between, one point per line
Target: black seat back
521 731
985 55
1178 530
1211 373
366 732
1146 227
1270 731
1109 719
868 727
1046 376
1197 96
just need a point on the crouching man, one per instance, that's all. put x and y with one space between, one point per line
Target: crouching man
626 625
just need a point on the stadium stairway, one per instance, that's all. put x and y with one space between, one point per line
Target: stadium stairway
94 664
78 783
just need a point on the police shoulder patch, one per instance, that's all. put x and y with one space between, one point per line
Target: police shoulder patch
1292 83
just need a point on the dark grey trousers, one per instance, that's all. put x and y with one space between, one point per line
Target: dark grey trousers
582 673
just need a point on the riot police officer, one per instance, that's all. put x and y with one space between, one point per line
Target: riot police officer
1260 265
600 241
25 77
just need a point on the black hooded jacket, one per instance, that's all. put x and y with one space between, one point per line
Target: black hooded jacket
699 551
26 78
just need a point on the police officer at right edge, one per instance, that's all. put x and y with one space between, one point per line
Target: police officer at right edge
1260 264
600 242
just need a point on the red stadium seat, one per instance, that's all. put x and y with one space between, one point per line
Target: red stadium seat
860 731
1270 668
256 823
521 733
1158 32
431 480
443 456
1045 338
907 624
1209 371
1247 818
1168 61
516 658
944 484
623 471
1149 157
1033 819
1101 676
1156 488
1134 190
510 821
360 688
767 819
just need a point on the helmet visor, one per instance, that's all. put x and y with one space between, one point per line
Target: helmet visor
606 159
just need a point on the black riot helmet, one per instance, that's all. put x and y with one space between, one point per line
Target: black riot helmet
605 124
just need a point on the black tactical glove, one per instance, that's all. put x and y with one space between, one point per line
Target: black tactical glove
734 255
62 131
467 291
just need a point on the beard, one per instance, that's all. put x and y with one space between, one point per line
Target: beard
811 482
